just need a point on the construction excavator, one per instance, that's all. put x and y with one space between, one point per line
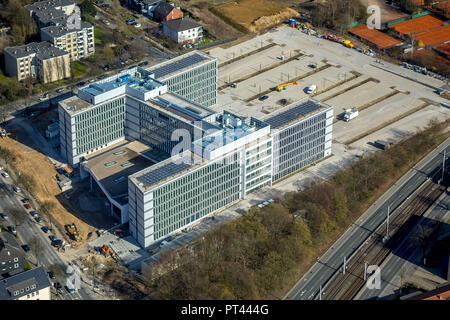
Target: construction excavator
73 231
105 250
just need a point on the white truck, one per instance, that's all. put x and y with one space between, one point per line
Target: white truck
350 114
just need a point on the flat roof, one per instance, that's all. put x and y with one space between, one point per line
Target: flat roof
138 83
62 30
378 38
417 25
74 105
112 168
294 112
179 64
166 170
43 50
193 110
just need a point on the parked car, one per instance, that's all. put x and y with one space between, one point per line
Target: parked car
45 229
105 67
33 213
70 290
44 97
27 206
16 189
56 243
25 200
263 98
143 64
4 216
137 25
60 90
311 89
38 219
91 80
58 286
81 83
12 229
26 248
5 174
51 275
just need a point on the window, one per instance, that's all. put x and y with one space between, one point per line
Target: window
16 265
16 259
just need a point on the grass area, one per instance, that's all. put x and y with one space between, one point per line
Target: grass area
79 68
2 229
99 34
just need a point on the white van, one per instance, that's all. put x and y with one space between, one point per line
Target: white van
311 89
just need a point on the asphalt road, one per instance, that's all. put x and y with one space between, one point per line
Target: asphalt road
28 230
308 287
409 252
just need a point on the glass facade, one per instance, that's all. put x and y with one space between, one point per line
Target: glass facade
156 128
198 85
99 126
195 195
299 145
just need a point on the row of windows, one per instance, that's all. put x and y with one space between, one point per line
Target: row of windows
98 110
99 142
293 144
199 215
305 149
99 116
100 128
193 199
33 286
194 176
298 166
179 214
206 181
303 125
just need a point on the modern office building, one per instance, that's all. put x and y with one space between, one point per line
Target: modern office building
170 161
95 118
39 60
79 43
192 75
301 134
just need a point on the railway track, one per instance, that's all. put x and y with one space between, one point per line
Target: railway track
377 247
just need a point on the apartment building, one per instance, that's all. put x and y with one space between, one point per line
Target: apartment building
79 43
28 285
12 257
51 12
172 161
40 60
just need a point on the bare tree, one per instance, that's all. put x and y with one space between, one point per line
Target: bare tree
37 247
